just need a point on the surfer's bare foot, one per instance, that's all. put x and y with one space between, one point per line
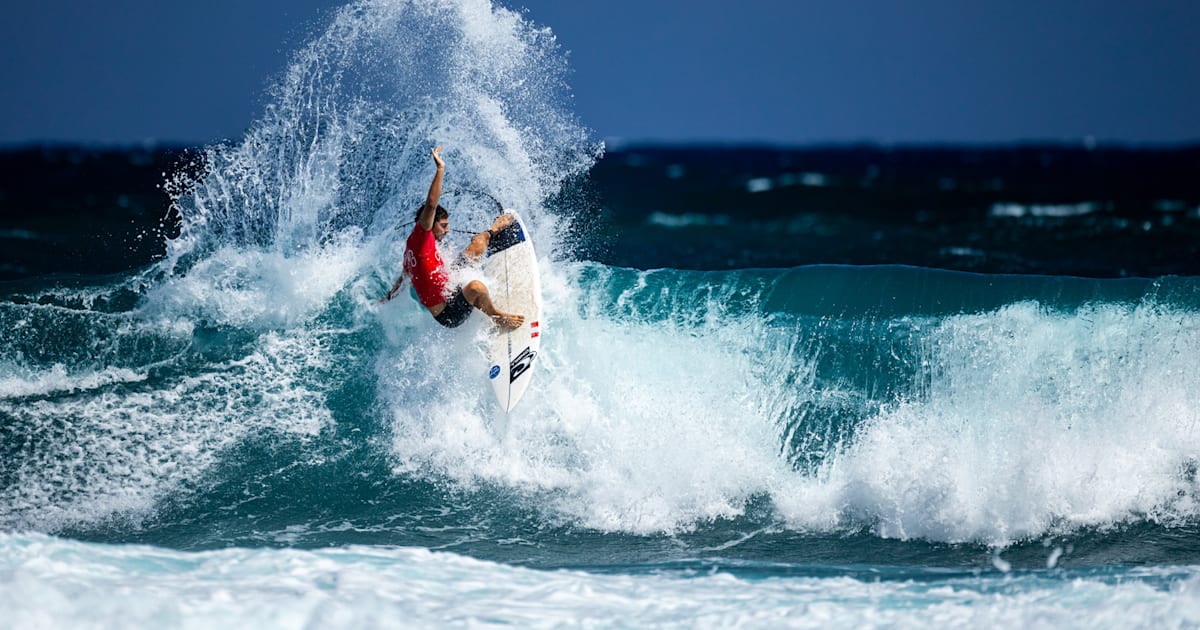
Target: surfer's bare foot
502 221
508 321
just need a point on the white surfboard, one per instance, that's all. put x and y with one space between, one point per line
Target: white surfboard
511 267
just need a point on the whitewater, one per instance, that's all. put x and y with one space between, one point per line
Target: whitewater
239 433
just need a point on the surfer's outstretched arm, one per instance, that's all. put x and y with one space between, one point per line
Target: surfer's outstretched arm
429 211
392 291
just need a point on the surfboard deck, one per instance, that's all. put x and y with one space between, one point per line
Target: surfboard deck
512 271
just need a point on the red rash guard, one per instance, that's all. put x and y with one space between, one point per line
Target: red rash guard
424 266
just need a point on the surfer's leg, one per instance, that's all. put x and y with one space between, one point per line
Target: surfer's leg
477 294
474 251
478 246
501 222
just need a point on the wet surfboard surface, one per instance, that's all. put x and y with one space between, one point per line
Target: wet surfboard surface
512 271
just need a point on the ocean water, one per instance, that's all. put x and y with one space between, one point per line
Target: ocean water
237 433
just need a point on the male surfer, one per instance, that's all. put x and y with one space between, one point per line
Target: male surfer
450 306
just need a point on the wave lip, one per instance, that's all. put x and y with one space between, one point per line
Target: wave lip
1027 423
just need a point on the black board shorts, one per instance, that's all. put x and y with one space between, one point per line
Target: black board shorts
457 310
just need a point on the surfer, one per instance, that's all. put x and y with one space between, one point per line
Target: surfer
450 306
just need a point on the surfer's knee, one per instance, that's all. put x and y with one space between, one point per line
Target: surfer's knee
473 290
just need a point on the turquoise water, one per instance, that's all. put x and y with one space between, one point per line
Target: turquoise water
691 433
239 433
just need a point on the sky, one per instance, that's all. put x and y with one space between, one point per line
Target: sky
784 72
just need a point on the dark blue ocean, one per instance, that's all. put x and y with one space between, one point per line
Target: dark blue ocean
840 386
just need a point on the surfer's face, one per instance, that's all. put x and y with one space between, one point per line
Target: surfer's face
440 228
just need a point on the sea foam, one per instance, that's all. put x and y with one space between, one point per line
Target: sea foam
49 582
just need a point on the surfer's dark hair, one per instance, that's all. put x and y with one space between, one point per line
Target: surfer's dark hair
441 213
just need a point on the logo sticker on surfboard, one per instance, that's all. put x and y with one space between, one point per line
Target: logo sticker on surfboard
520 364
494 372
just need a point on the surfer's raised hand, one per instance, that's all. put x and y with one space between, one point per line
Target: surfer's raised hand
429 211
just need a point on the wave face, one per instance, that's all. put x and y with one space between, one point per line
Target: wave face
912 404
